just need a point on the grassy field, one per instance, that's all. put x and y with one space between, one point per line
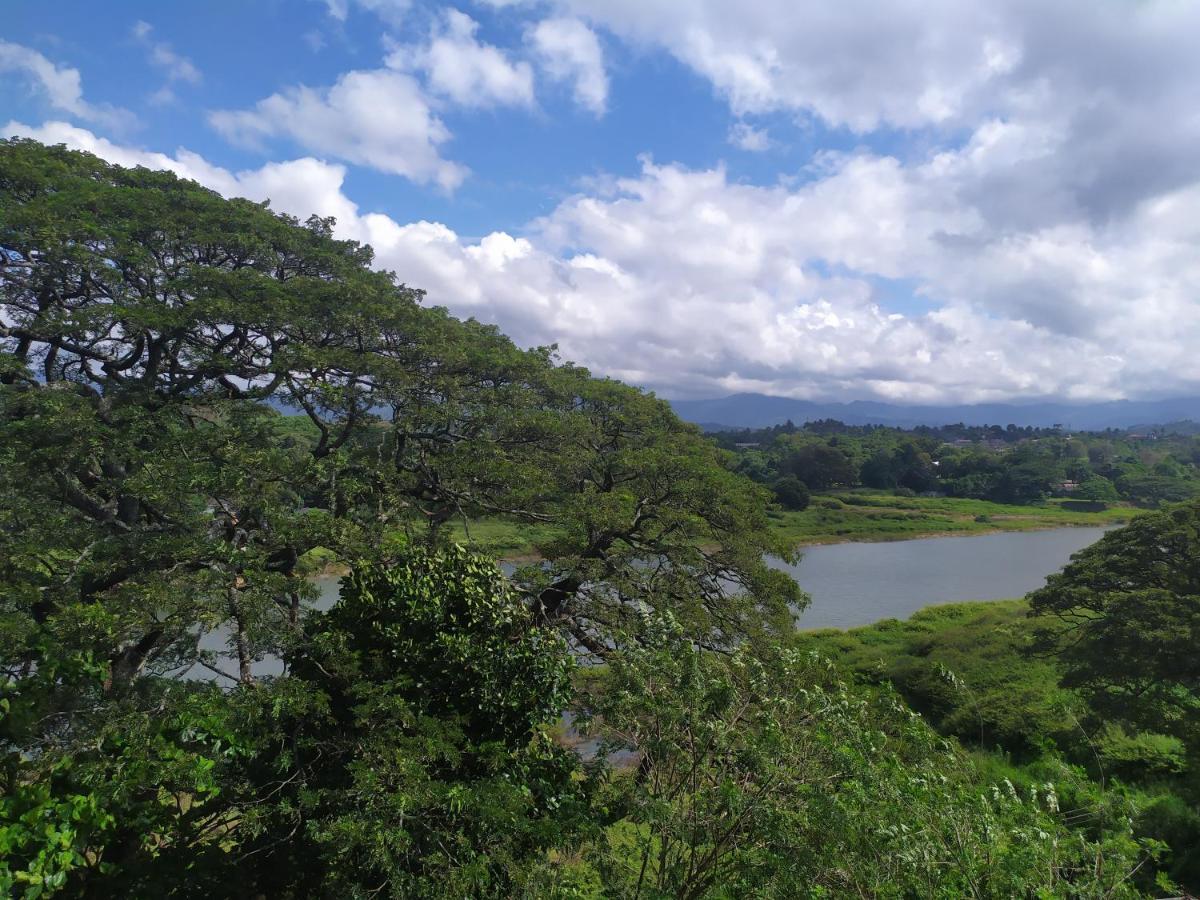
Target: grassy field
505 539
847 516
861 516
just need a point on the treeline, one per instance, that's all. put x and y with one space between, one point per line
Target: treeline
628 717
1005 465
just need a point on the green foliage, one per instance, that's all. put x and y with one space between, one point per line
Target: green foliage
880 515
965 667
203 402
423 768
772 778
1003 465
1124 621
141 446
1142 756
44 837
1097 489
791 493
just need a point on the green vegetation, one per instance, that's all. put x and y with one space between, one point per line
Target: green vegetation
873 516
202 403
969 669
1123 620
861 515
1004 465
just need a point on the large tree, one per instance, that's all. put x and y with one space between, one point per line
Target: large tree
195 395
1124 620
151 334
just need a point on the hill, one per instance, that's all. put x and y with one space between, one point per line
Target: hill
760 410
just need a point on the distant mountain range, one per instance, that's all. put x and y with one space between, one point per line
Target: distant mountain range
759 411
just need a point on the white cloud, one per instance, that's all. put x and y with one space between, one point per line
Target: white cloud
457 66
691 283
391 11
62 86
749 138
379 118
176 67
570 51
338 9
852 63
385 118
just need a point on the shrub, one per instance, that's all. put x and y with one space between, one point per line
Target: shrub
791 493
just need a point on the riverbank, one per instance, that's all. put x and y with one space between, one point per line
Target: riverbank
842 517
870 516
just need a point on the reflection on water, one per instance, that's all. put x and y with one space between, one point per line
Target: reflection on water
857 584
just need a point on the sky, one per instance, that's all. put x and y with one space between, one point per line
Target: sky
907 200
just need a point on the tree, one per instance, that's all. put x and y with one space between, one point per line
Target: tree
1152 490
791 493
197 395
820 466
427 767
153 329
906 465
1097 489
408 753
1125 620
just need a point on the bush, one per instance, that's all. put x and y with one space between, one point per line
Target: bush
791 493
1135 757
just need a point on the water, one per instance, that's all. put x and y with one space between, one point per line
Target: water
218 640
857 584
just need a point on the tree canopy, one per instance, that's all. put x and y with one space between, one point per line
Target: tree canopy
152 335
197 395
1125 620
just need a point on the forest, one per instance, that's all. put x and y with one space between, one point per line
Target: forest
1010 464
199 397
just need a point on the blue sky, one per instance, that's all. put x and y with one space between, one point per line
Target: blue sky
899 200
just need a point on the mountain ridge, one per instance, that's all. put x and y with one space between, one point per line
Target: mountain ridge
749 410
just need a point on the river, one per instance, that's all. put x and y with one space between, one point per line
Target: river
860 583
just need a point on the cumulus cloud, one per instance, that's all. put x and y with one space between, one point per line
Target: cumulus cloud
386 118
851 63
692 283
1109 87
62 86
379 118
570 51
469 73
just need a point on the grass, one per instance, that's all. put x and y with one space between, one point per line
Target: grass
503 538
834 518
870 516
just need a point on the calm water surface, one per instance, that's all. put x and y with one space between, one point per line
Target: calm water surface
857 584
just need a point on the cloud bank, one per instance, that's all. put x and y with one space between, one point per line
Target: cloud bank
1031 232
